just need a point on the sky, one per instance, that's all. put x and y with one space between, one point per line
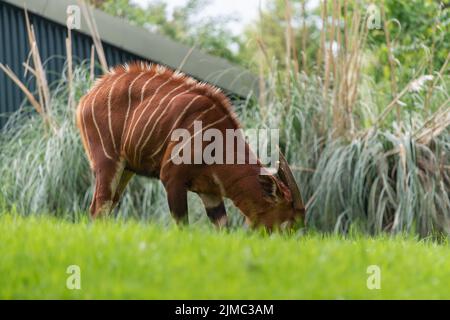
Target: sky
244 10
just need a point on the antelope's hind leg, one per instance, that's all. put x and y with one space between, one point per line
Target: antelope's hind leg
215 209
108 175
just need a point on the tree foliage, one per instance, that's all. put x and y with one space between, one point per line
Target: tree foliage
419 31
184 24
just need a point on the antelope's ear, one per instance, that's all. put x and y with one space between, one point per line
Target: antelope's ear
274 189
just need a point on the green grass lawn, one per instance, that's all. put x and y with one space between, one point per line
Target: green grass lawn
143 260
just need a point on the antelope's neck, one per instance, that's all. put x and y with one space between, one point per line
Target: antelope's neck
240 183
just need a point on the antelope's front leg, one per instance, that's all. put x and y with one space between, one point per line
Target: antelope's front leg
108 173
177 199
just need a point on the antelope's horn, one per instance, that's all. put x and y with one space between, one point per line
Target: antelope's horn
286 176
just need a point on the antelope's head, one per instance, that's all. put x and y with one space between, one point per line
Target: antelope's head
284 205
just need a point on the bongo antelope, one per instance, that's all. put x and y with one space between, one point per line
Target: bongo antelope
126 121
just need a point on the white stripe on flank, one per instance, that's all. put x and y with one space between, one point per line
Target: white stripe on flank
129 103
85 135
109 110
178 120
195 134
157 120
145 85
135 109
143 111
98 129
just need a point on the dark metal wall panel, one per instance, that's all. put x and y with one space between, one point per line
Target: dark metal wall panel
50 36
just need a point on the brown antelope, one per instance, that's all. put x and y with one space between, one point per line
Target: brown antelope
126 121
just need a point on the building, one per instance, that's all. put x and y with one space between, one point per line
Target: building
122 42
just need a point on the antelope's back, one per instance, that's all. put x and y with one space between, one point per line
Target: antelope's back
131 112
